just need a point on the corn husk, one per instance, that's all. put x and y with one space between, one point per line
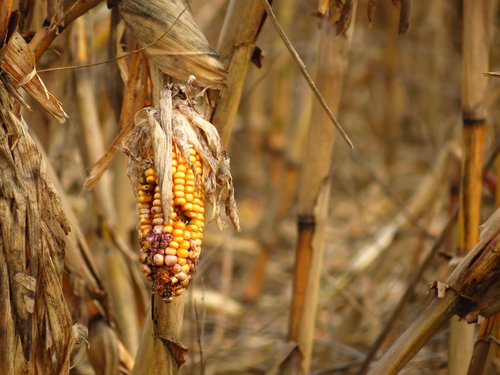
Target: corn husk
19 64
173 41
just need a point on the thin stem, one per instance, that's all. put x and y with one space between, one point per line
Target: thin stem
303 70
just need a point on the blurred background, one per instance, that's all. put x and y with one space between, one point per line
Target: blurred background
400 103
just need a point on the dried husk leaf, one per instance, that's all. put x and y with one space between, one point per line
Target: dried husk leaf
33 231
19 64
173 41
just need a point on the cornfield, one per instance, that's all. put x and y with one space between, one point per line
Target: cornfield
249 187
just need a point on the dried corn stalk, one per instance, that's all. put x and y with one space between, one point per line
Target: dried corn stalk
176 162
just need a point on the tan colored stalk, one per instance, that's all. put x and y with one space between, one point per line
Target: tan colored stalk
281 109
93 143
473 289
160 350
45 36
314 198
476 44
236 46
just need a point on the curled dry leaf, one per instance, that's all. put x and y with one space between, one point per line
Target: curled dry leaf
173 41
19 64
176 163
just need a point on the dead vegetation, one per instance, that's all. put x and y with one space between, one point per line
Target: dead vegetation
349 261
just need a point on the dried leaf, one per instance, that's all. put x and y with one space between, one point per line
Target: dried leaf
345 17
441 289
492 74
19 64
33 230
404 16
173 41
372 7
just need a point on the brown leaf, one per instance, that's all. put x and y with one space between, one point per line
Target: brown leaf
173 41
404 16
19 64
345 17
372 7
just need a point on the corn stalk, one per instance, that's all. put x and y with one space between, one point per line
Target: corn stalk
472 290
476 36
314 197
236 47
281 106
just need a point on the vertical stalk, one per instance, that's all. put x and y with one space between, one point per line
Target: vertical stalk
160 348
236 46
476 36
281 98
314 198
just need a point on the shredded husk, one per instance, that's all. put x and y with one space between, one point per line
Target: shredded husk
19 65
176 122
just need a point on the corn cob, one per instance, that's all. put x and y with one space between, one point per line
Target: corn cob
170 247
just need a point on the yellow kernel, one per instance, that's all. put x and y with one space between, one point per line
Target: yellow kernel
179 225
187 235
188 206
182 253
178 188
198 171
179 181
158 221
151 179
179 175
179 194
150 172
145 229
170 251
173 244
197 222
145 198
181 168
193 228
189 197
185 282
192 151
168 229
178 233
180 201
197 164
181 261
185 268
185 245
190 189
190 177
197 242
178 239
157 202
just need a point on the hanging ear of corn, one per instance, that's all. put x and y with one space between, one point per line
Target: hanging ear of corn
170 246
177 161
